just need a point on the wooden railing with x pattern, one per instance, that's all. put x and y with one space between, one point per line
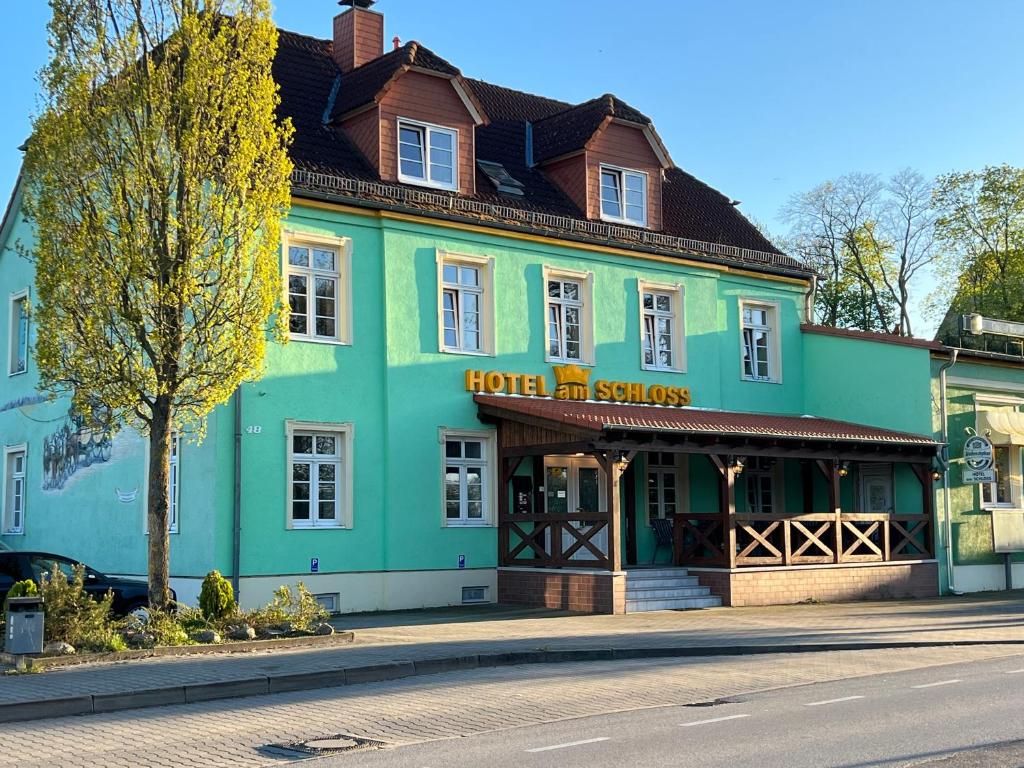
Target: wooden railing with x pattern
804 539
553 540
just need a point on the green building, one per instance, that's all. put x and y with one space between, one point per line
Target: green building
521 337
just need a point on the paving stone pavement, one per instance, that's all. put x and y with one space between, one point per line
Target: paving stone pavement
231 733
408 636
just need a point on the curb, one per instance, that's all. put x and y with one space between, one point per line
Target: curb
263 685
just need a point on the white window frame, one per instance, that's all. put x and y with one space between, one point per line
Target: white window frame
13 340
342 246
426 129
771 473
173 488
490 481
8 529
680 470
586 303
622 173
345 432
774 343
677 317
1015 482
485 265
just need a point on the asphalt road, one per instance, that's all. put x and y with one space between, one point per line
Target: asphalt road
956 716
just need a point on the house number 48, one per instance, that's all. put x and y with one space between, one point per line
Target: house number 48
254 429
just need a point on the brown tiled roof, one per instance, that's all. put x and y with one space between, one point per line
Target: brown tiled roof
590 416
569 130
329 166
362 84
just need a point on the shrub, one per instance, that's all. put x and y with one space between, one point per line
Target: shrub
166 629
216 597
73 616
26 588
298 608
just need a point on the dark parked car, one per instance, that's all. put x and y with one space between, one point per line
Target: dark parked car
129 594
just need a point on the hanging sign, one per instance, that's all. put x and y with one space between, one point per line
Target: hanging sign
978 460
572 382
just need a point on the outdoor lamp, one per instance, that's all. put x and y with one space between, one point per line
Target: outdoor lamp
737 464
844 469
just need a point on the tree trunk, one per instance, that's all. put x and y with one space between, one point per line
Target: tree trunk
158 503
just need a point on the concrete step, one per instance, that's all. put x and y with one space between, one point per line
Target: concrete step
655 573
668 592
672 604
653 582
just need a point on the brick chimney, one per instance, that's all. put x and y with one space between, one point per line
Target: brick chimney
358 35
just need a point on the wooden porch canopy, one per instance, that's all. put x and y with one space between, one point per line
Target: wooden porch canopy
532 425
614 433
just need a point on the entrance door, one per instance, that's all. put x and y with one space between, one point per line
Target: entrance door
575 484
876 488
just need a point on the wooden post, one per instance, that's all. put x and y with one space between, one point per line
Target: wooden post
629 491
924 476
614 474
831 471
726 505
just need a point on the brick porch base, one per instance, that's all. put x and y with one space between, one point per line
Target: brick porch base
829 583
566 589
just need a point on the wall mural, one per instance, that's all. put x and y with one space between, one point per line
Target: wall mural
78 443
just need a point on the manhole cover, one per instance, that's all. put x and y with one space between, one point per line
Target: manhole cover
327 745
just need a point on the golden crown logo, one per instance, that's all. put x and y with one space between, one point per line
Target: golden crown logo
571 374
571 381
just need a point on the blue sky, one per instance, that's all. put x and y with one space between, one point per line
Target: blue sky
759 99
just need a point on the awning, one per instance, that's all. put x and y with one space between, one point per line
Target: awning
1006 427
708 430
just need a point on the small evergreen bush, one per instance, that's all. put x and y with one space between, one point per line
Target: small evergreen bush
26 588
298 608
73 616
216 597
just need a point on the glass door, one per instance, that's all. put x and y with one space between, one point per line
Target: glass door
575 485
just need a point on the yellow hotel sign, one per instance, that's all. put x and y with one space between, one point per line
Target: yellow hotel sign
572 383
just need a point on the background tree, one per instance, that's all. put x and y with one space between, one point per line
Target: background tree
156 179
869 240
981 226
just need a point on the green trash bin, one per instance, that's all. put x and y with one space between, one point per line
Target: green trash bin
24 633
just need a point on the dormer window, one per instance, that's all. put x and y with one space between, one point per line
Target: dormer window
623 196
427 155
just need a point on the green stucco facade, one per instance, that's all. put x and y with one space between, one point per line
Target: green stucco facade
398 392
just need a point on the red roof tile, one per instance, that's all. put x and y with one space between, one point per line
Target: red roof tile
594 416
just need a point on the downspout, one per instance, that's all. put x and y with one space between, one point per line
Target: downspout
809 297
236 542
946 507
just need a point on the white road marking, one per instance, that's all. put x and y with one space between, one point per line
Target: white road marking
713 720
1014 671
831 701
570 744
932 685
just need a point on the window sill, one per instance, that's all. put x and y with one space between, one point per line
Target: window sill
301 527
563 361
12 533
428 184
467 352
465 524
1001 508
624 222
17 373
658 369
760 381
314 340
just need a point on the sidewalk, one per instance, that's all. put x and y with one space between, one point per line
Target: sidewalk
389 646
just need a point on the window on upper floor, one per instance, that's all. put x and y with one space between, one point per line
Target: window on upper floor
662 340
623 196
760 341
569 299
428 155
465 303
317 277
18 341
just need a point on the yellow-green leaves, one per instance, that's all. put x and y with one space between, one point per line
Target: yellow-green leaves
156 177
